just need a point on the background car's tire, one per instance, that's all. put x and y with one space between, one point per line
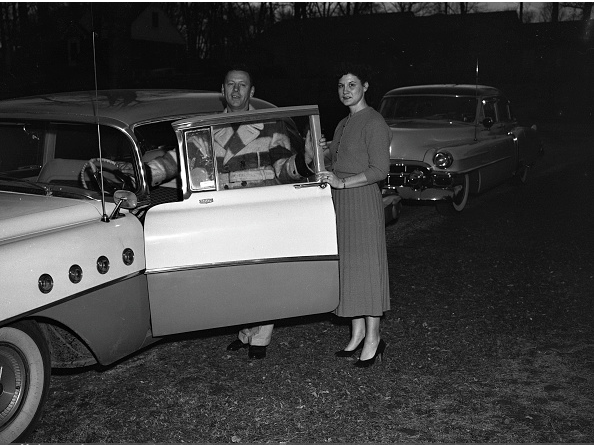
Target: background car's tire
459 200
521 177
25 379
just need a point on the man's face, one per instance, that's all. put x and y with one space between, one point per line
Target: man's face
237 90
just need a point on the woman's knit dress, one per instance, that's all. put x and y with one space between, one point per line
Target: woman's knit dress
361 144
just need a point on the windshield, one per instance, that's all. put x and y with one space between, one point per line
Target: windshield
452 108
51 156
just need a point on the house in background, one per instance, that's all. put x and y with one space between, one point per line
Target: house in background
65 57
157 46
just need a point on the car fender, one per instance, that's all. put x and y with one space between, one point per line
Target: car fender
112 321
50 253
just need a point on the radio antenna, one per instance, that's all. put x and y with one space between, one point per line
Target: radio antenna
104 217
476 95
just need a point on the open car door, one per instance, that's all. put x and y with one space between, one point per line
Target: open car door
242 246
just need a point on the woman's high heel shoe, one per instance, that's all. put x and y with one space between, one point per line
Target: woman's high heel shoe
371 361
344 353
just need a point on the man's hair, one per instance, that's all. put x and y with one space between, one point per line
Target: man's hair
242 68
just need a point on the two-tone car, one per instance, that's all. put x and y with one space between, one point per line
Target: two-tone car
96 264
450 141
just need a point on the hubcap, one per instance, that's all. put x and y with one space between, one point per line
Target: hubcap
12 380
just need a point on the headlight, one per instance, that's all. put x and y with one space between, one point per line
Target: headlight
443 159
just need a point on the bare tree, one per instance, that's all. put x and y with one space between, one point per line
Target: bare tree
576 10
327 9
416 8
300 10
358 8
459 8
554 16
555 12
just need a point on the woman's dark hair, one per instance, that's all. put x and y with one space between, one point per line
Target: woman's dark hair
361 71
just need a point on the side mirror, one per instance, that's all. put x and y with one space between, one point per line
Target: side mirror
124 199
487 122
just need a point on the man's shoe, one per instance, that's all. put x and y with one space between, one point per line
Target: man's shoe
236 344
257 352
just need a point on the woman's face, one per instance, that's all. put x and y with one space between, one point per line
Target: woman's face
351 90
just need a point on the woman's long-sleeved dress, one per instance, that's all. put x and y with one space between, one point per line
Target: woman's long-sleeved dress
361 144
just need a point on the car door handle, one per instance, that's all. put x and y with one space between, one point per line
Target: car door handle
310 184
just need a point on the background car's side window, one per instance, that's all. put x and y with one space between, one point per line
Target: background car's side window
503 110
199 155
488 107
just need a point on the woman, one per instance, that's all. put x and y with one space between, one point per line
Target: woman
359 160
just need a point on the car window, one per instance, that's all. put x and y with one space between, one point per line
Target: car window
199 155
156 136
80 141
252 154
489 109
503 110
21 149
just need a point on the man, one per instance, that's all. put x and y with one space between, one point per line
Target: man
246 155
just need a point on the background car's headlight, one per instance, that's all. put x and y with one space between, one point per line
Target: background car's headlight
443 159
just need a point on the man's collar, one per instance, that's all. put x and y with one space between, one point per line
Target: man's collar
226 110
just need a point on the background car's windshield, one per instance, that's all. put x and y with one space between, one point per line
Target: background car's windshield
462 109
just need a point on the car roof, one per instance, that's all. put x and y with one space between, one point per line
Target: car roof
445 89
127 107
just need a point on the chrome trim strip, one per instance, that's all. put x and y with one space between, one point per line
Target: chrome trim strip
244 263
435 172
485 165
245 116
310 184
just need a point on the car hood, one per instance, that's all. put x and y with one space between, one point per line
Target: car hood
22 214
413 139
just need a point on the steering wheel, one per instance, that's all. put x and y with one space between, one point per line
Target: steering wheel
122 181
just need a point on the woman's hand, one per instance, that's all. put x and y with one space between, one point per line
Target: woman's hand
331 179
323 144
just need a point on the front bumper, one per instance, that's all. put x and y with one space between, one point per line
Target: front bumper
416 181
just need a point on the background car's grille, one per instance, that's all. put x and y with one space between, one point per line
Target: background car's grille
415 176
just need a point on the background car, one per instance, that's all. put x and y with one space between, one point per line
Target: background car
450 141
97 264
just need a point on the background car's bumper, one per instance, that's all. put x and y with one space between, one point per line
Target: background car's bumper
430 194
416 181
